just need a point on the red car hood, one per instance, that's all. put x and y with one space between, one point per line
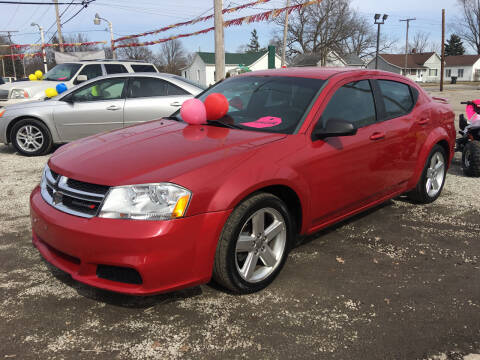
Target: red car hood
152 152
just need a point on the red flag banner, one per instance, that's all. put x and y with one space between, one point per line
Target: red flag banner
191 22
267 15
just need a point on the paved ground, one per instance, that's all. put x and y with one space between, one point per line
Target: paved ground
398 282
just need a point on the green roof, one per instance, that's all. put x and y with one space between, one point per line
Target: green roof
233 58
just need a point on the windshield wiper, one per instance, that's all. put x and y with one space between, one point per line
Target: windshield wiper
224 124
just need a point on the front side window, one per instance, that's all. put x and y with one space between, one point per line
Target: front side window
143 68
266 103
146 87
115 69
354 103
62 72
92 71
108 89
396 97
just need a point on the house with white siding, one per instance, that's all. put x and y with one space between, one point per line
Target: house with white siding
464 67
420 67
202 69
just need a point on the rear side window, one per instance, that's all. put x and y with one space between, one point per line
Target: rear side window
354 103
115 68
147 87
396 97
143 68
175 90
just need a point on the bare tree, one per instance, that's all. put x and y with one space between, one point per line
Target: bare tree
172 57
468 25
420 42
330 25
78 38
135 52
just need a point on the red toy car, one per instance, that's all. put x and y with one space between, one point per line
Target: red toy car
165 205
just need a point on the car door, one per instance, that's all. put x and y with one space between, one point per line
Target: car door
399 131
341 170
95 107
150 98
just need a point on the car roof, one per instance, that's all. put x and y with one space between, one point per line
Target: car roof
322 73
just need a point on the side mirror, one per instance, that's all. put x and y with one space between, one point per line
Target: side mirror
334 127
81 78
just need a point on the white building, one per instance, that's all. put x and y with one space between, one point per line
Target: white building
202 69
464 67
333 60
420 67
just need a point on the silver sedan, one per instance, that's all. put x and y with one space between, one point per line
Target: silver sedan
101 104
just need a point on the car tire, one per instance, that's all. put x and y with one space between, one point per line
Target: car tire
250 254
471 159
31 137
432 179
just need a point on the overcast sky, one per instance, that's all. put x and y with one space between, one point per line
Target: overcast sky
130 17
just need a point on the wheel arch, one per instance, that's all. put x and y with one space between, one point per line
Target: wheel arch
12 123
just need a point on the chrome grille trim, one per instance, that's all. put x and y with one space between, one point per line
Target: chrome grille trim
57 193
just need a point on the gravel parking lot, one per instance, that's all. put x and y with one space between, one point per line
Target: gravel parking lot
398 282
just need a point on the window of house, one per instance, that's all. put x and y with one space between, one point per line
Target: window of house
352 102
198 75
432 72
413 71
396 97
115 68
448 72
460 73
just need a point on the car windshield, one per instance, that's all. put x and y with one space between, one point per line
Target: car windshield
265 103
62 72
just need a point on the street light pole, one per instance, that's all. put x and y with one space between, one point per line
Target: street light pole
96 21
378 22
42 36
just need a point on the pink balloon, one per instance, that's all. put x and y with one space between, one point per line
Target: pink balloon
193 112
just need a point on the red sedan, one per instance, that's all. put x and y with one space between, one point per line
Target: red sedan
165 205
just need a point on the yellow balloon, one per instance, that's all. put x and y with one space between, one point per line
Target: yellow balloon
39 74
32 77
51 92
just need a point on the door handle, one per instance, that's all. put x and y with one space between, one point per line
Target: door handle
113 107
377 136
424 121
176 103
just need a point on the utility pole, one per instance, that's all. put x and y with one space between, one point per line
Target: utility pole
285 28
406 43
59 27
219 45
378 22
42 36
9 34
442 65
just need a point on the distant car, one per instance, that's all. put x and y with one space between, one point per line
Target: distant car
102 104
8 79
2 81
71 74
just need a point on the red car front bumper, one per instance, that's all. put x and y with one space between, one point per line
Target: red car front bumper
167 255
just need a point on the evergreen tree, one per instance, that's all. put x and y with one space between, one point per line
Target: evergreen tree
454 46
254 45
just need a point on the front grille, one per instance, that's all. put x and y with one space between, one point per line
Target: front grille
3 94
72 196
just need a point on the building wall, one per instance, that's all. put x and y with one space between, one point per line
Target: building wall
262 63
383 65
468 72
196 71
433 63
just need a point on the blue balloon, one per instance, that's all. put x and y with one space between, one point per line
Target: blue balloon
61 88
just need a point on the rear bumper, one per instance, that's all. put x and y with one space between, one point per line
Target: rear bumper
167 255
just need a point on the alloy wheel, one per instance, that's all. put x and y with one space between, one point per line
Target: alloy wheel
435 174
29 138
261 245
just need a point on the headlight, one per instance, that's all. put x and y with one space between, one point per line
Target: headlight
161 201
18 94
